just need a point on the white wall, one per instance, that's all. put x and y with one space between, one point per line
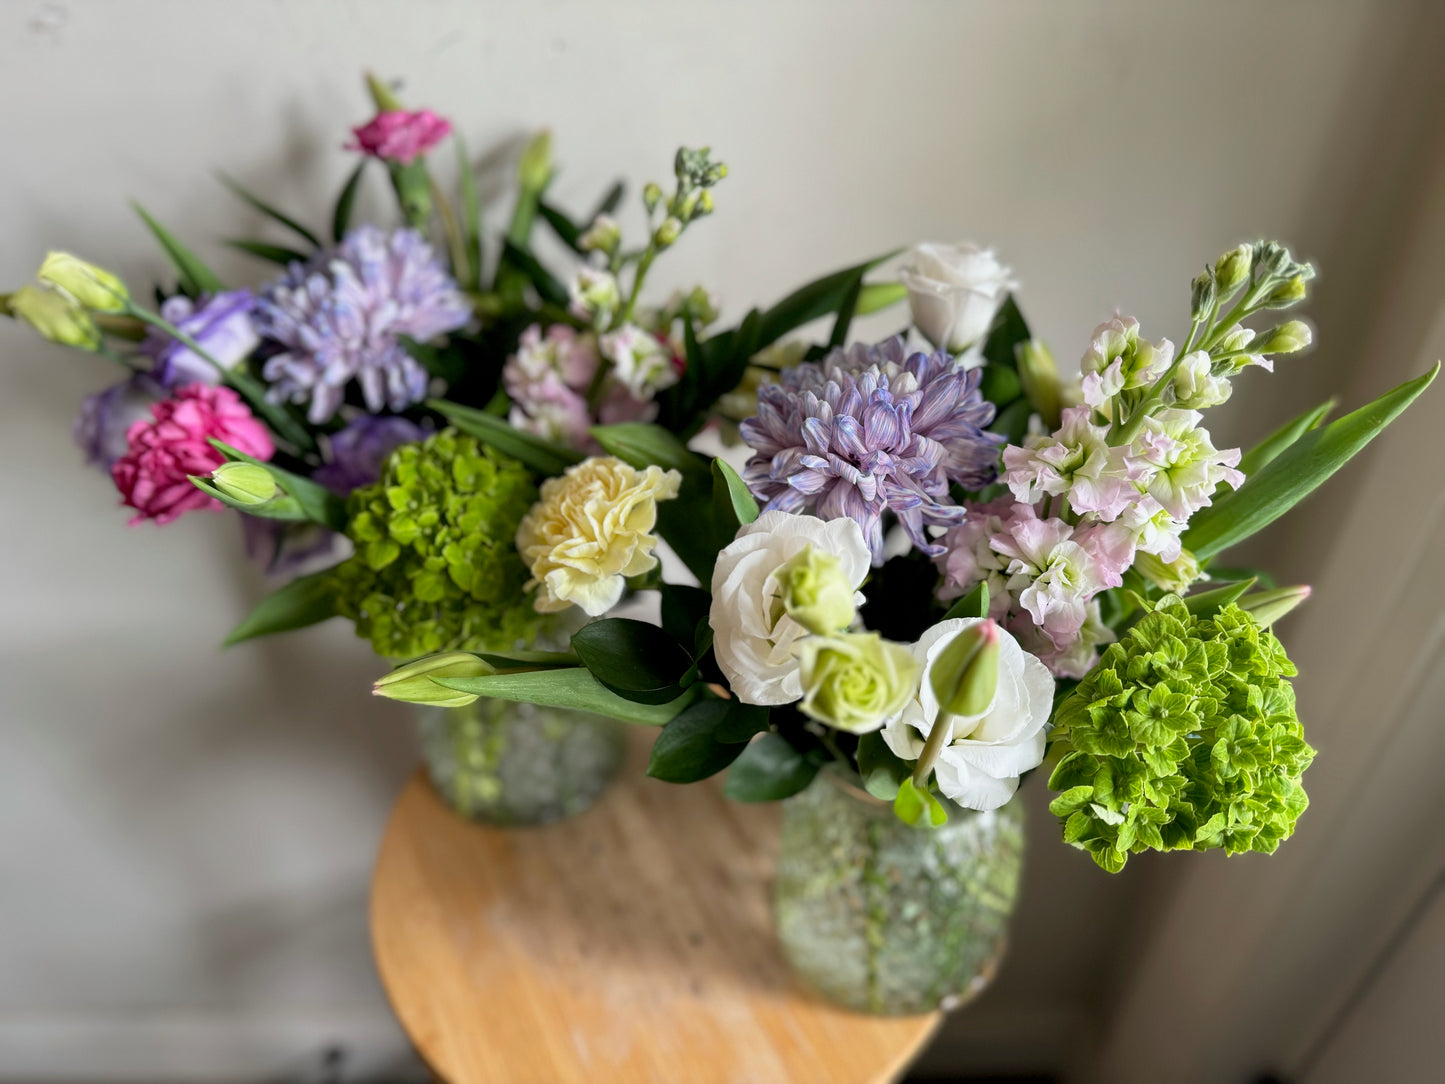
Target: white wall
185 836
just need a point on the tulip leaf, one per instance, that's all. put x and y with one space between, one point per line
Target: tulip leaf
195 277
883 771
768 770
877 296
341 216
687 750
631 656
1269 449
542 279
817 298
543 456
641 445
277 254
317 502
566 230
1295 473
1209 603
574 688
304 601
846 311
270 211
471 218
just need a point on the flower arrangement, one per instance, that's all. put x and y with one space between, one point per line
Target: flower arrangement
943 567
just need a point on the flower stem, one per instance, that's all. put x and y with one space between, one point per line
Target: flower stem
938 737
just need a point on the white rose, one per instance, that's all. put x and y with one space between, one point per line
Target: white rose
981 765
753 636
954 292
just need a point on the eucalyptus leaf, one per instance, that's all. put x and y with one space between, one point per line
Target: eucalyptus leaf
302 602
769 770
572 688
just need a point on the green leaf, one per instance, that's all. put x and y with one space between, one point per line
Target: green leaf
687 751
1013 420
877 296
844 319
567 230
277 254
913 804
304 601
642 445
471 218
270 211
973 604
1209 603
631 656
733 503
341 215
195 277
317 502
1295 472
542 456
683 607
742 723
546 285
686 524
883 771
1009 329
281 507
1268 450
569 688
609 201
1000 385
818 298
769 769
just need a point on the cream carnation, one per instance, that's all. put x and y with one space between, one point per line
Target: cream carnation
753 636
592 529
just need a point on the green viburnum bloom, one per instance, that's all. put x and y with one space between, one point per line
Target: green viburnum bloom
1184 737
436 566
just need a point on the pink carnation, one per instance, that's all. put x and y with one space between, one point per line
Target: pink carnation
154 474
397 135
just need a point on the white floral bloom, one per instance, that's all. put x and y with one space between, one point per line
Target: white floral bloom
594 296
1121 360
1076 460
954 292
1175 462
640 361
1195 385
1153 529
980 766
753 636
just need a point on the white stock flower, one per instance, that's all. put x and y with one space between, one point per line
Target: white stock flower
980 766
1195 386
954 292
640 361
753 636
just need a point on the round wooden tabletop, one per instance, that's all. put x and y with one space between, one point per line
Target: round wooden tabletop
632 943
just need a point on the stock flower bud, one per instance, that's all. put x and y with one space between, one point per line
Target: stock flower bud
245 483
855 681
1232 269
1039 375
689 204
1272 257
1267 607
1286 294
1204 294
55 316
668 232
93 287
965 676
815 591
1285 339
704 204
651 196
413 682
1176 576
604 235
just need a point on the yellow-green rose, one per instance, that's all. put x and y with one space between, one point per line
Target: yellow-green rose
856 681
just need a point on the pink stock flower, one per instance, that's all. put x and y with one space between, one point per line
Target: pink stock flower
1075 461
153 475
398 135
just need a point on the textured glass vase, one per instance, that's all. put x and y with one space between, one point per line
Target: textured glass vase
891 919
516 764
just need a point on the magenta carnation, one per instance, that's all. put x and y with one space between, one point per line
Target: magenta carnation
398 135
162 453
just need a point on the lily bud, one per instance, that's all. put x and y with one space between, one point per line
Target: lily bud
815 592
1232 269
245 483
1267 607
964 677
1202 298
94 288
56 316
1039 376
413 682
668 232
1285 339
535 165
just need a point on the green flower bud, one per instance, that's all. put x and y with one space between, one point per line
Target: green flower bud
1039 376
604 235
1232 269
815 592
1273 258
1267 607
1204 293
384 97
668 232
701 307
704 204
964 677
855 681
689 204
245 483
1285 339
651 196
56 317
92 287
1175 576
535 165
1290 292
413 682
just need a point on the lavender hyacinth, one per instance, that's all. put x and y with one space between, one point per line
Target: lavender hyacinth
870 430
359 450
341 317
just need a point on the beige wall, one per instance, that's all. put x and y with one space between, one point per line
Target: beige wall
185 836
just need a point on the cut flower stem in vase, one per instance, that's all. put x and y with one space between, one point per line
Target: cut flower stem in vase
889 918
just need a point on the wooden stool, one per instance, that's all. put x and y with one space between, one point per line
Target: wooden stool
632 943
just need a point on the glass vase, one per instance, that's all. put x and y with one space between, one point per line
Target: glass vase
513 764
891 919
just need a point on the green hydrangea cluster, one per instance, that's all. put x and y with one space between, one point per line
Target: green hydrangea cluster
436 566
1184 737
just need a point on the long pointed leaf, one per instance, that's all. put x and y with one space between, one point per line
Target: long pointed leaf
818 298
471 217
195 277
642 444
565 229
1267 450
271 212
277 254
545 282
1296 472
609 201
302 602
542 456
341 216
568 688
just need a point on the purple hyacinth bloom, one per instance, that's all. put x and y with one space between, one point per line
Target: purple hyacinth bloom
107 416
359 450
869 430
341 318
221 324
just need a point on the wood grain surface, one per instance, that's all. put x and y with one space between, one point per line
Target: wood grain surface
632 943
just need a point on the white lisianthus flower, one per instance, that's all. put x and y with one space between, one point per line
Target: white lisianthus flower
980 766
753 636
954 292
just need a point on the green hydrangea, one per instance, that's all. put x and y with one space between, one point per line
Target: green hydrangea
436 567
1184 737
